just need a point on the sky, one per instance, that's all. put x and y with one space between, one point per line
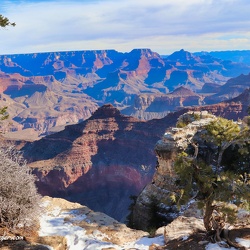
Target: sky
163 26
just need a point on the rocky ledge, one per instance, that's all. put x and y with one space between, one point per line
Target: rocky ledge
66 225
158 192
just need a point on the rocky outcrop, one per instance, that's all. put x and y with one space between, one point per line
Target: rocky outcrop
155 199
182 228
82 226
65 225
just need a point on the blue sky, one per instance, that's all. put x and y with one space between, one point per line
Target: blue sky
161 25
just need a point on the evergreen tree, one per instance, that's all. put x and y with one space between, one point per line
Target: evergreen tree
223 133
4 22
217 188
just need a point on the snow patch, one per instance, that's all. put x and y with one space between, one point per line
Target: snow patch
76 215
144 243
54 223
185 237
243 242
214 246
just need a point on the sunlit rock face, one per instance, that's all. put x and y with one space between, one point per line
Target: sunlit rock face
155 199
78 227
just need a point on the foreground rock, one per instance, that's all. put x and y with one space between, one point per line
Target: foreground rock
85 229
71 226
189 233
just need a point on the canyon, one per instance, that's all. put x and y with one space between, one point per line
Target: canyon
87 122
103 161
99 162
46 91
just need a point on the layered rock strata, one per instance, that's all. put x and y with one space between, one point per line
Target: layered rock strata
100 162
46 91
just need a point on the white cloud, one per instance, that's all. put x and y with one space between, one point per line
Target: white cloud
162 25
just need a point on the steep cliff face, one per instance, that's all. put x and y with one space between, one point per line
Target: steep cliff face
155 199
99 162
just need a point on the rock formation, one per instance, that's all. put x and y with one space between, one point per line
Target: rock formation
103 160
155 199
100 162
65 225
46 91
81 226
234 109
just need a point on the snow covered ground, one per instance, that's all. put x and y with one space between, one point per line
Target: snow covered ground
243 242
54 223
65 222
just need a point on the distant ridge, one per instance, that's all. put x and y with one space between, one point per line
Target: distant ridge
239 56
182 91
50 90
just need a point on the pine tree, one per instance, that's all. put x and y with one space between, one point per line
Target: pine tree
4 22
217 188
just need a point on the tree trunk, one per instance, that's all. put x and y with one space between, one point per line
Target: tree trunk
209 208
196 149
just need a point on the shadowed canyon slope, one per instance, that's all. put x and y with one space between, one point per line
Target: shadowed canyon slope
99 162
46 91
104 160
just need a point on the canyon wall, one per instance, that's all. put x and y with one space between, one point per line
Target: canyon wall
45 92
100 162
104 160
